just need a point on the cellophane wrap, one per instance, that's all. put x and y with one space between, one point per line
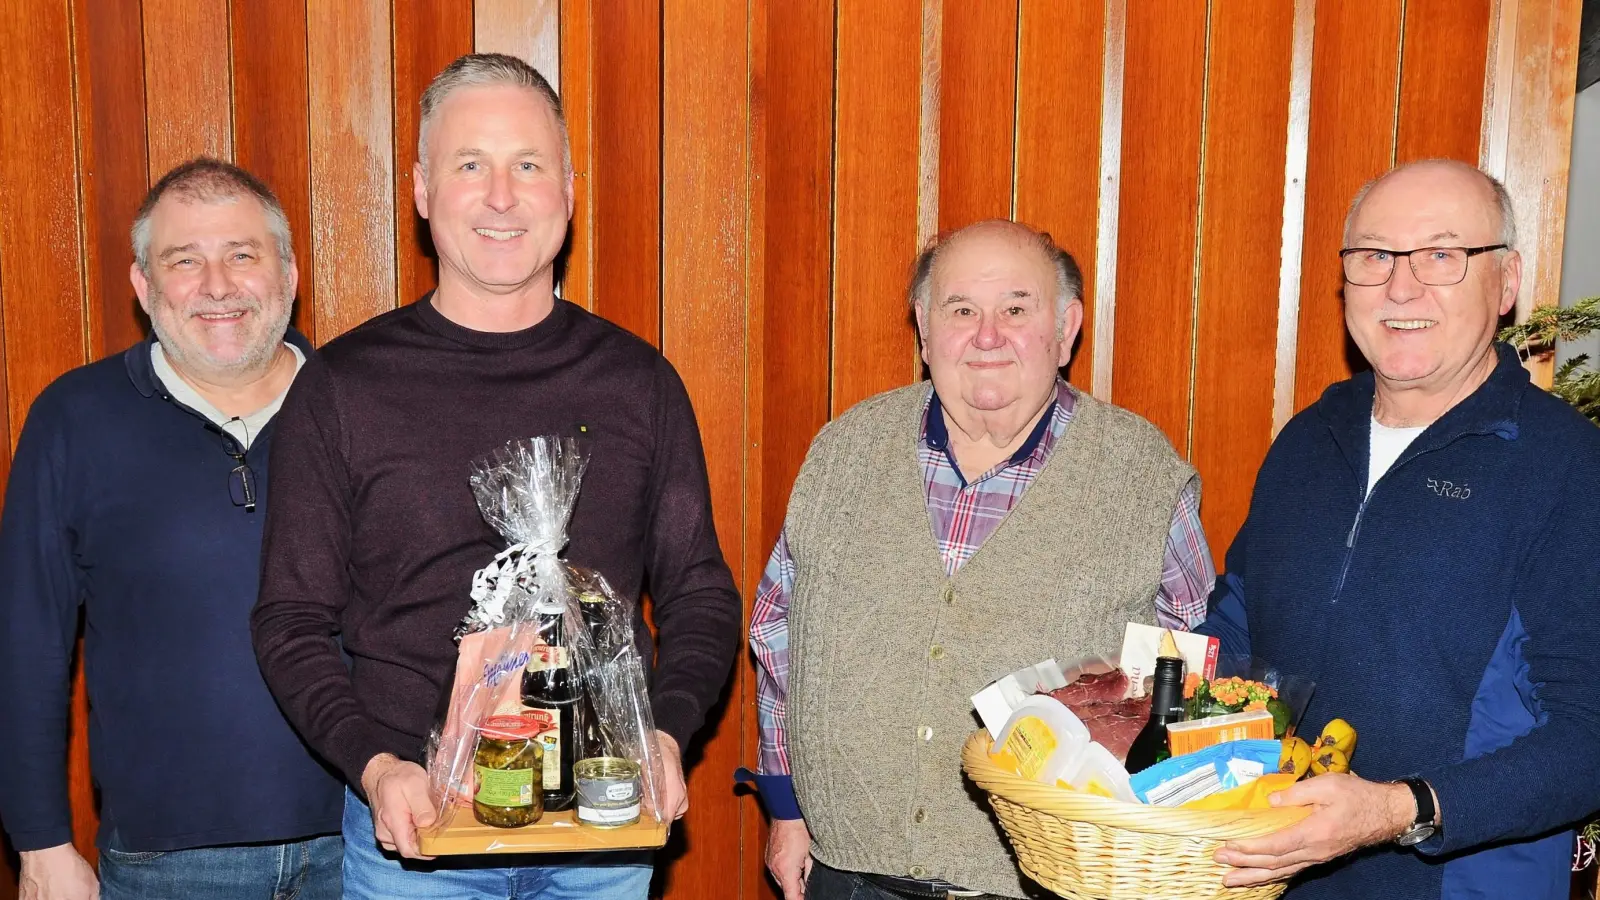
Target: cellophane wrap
527 490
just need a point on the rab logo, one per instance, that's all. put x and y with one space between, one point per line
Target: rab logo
1449 489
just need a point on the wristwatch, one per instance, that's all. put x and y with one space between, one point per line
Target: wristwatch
1423 828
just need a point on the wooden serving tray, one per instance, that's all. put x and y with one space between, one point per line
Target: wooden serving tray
555 832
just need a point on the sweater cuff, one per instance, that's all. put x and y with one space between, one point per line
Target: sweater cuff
1452 810
353 744
677 715
43 839
777 792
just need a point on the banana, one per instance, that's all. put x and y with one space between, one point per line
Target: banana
1339 735
1329 759
1295 758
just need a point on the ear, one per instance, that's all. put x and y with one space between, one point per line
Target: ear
419 189
141 286
571 197
1511 281
921 313
292 276
1072 321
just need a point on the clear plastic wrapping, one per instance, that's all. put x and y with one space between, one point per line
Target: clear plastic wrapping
532 614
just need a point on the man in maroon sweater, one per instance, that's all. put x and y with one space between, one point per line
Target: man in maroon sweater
372 533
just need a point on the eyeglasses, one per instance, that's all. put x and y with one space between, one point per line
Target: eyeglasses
241 479
1437 266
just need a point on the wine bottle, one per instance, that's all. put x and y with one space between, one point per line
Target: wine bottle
1166 707
549 687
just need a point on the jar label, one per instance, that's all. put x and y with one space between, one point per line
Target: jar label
504 787
625 815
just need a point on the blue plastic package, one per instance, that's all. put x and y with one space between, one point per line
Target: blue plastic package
1176 781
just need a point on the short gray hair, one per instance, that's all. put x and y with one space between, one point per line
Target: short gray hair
484 70
1069 277
1502 197
208 180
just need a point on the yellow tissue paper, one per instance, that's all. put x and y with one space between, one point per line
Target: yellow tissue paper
1246 796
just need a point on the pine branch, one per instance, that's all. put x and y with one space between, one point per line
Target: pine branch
1548 324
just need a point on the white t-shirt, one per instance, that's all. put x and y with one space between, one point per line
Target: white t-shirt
1386 446
243 428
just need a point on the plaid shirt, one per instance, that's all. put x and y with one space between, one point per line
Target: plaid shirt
964 515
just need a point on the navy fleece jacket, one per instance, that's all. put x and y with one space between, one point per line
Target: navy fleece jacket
1452 616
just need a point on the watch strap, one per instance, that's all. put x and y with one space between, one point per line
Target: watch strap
1426 812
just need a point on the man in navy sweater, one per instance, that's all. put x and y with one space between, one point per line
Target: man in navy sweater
136 494
1422 543
374 535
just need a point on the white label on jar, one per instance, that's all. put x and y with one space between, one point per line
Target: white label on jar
608 816
619 791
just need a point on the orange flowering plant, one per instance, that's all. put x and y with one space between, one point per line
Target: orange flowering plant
1258 687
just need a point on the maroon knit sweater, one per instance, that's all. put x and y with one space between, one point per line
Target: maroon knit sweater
372 533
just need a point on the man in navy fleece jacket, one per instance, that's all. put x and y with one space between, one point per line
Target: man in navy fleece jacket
1422 543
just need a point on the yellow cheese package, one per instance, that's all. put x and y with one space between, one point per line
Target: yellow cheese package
1042 740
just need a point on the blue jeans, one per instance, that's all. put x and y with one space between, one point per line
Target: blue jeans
371 873
301 870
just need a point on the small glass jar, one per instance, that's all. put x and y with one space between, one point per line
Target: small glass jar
509 764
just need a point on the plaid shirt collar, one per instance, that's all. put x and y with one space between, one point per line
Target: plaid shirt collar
936 434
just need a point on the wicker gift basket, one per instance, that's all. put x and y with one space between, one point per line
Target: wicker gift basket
1085 847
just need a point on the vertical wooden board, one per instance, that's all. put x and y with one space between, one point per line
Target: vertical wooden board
1354 72
40 249
797 178
626 182
41 274
527 29
1058 139
877 69
115 171
705 174
577 104
754 832
428 35
271 125
188 92
1163 95
1442 65
977 111
352 163
794 147
1246 135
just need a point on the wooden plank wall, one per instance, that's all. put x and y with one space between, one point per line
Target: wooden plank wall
753 180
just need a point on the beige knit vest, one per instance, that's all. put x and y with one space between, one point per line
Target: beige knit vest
885 651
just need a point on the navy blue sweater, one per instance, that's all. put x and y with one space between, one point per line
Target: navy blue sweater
119 500
1451 617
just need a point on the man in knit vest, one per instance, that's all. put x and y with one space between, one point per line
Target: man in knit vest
938 537
1423 544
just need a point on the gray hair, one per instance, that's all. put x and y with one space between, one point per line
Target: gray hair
208 180
1502 197
1069 278
484 70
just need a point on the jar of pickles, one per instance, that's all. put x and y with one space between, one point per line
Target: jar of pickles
509 764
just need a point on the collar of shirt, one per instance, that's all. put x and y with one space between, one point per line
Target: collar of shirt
936 434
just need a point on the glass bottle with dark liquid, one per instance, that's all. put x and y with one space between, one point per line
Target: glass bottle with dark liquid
1166 707
591 734
549 687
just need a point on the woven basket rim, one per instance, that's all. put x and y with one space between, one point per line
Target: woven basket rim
1218 825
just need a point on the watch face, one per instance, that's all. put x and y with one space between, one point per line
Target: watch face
1417 834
